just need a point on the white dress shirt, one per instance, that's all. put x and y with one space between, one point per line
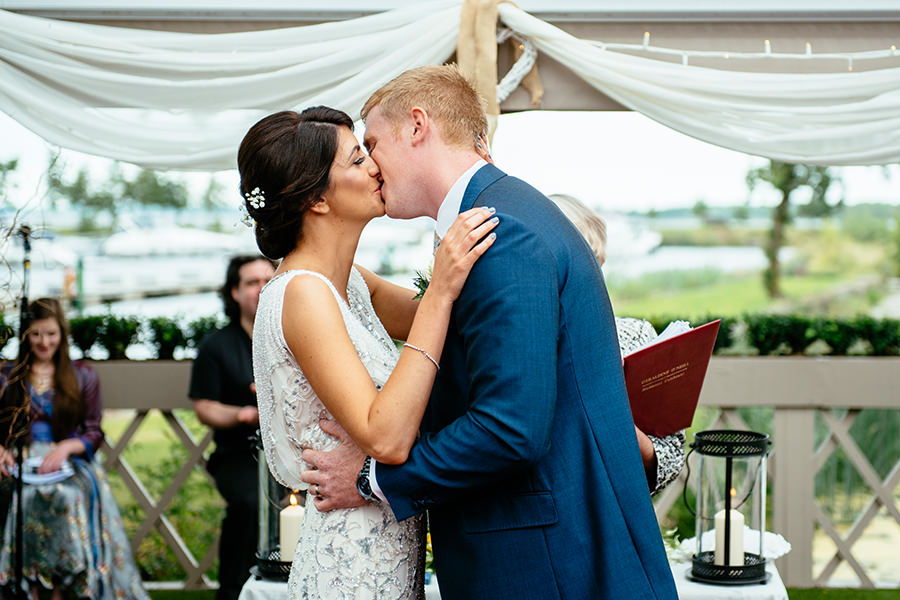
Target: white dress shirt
447 213
449 208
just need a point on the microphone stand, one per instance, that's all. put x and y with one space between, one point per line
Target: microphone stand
24 322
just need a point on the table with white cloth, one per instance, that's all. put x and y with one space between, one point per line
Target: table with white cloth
773 589
266 589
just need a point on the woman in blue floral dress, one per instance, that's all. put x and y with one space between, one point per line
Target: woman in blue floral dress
75 545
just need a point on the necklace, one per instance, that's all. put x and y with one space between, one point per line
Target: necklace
42 379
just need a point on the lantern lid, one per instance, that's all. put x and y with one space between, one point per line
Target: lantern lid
731 442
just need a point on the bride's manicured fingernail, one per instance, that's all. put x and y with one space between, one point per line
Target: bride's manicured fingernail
495 220
493 236
492 210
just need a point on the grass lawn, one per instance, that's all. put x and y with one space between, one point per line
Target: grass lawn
842 594
723 296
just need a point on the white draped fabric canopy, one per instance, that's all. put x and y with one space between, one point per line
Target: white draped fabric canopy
183 101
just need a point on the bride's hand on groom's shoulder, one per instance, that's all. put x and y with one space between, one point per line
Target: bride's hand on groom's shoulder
467 239
333 476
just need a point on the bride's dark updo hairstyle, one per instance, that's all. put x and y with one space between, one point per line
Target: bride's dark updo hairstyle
288 156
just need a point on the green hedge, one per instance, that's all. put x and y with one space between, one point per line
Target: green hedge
763 334
768 334
116 334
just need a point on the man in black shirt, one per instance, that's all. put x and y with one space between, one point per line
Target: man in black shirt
224 398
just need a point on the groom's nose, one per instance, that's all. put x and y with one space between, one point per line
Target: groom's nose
374 171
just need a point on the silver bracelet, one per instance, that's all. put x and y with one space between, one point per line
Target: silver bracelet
428 356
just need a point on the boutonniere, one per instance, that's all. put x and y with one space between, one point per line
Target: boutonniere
420 281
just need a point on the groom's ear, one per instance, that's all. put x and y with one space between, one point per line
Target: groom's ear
420 124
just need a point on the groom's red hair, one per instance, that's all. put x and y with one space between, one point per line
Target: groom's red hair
445 94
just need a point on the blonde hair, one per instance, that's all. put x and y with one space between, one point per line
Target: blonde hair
445 94
586 222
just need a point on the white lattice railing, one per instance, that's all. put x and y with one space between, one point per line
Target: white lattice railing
798 389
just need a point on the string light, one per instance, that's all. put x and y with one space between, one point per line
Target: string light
807 53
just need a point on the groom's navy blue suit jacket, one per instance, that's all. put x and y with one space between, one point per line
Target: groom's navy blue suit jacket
529 464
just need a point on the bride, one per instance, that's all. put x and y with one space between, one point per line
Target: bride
322 342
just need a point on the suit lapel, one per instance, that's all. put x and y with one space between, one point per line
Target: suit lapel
484 177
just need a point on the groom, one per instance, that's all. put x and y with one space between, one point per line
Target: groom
528 464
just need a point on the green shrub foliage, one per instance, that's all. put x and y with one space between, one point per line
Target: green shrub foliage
768 334
85 331
839 334
117 333
166 334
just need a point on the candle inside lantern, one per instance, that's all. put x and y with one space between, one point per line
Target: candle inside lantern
735 539
289 529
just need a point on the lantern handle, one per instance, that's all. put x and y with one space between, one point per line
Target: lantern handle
687 481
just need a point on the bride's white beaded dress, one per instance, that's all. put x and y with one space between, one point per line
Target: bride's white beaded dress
361 553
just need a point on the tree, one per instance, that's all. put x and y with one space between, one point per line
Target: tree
896 234
80 193
786 178
149 188
212 195
213 198
117 192
701 210
741 213
5 169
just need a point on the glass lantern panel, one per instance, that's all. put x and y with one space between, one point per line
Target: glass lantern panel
730 506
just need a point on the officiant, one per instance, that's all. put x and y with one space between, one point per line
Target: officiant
74 542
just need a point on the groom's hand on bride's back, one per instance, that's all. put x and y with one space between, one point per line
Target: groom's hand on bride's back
334 472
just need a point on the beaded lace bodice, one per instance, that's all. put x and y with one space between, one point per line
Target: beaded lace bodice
354 553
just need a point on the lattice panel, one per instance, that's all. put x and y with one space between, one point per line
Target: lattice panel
882 496
154 510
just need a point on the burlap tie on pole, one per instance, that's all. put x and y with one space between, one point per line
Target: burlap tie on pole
476 54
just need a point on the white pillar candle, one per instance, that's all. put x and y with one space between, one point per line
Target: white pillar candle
289 529
736 541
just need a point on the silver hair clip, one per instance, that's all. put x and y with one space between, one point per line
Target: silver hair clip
256 198
246 219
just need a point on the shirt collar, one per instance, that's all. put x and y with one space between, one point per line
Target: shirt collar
449 208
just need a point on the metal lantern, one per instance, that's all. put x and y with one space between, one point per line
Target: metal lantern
730 494
275 511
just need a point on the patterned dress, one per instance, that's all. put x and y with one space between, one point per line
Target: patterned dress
73 534
363 552
634 333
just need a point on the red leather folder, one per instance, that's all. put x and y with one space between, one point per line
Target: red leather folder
664 379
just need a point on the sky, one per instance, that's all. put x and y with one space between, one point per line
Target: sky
613 161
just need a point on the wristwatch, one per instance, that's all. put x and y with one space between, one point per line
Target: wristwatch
362 482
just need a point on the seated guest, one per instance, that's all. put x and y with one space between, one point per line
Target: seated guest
75 545
663 457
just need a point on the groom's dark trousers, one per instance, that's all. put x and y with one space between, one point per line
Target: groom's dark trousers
529 464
